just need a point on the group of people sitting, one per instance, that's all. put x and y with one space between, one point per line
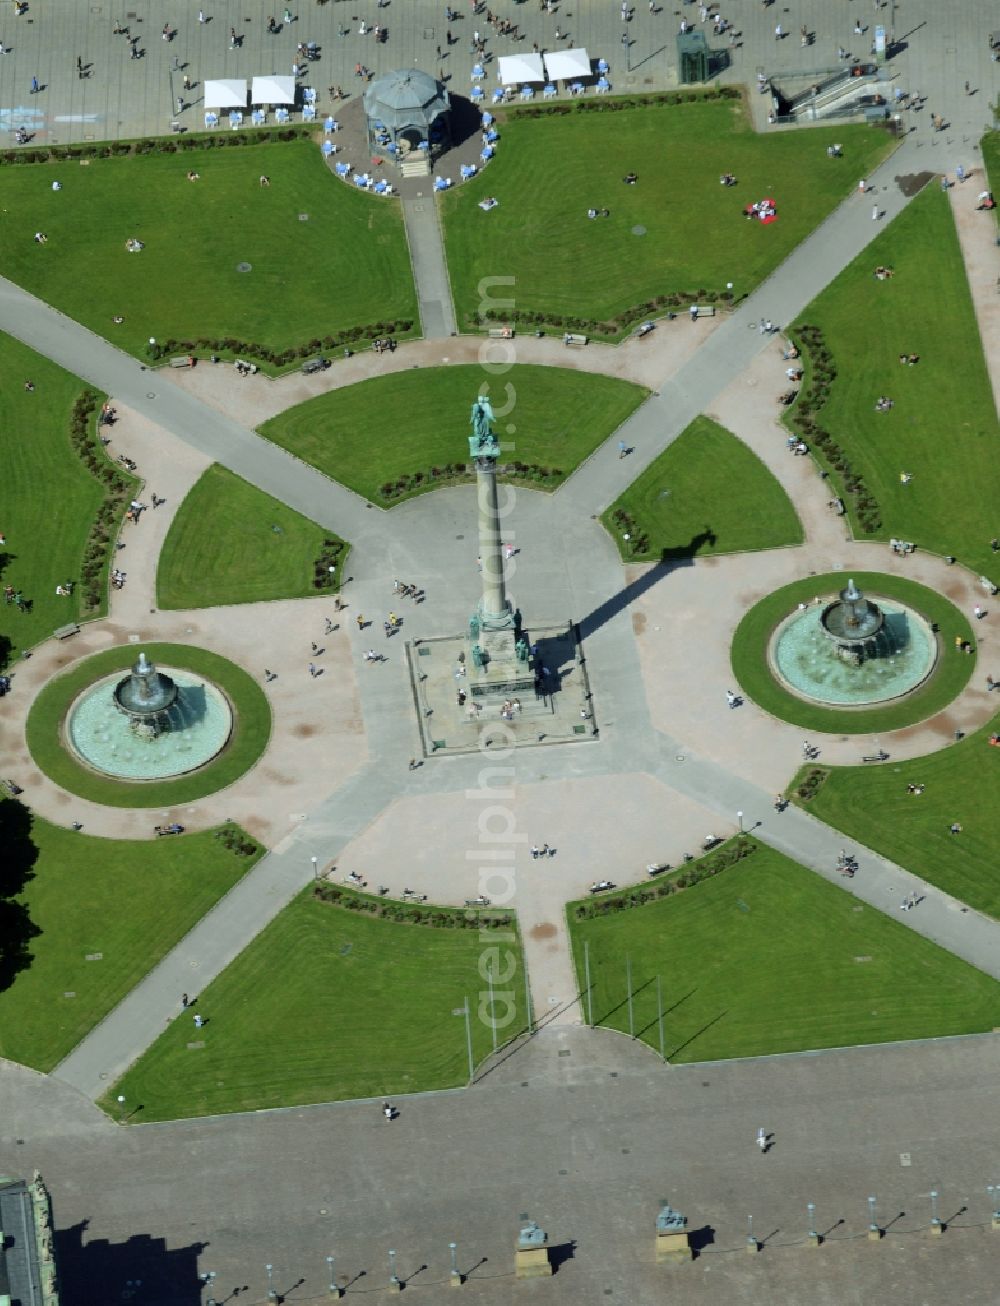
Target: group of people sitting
909 359
883 404
133 245
380 346
118 579
986 200
883 273
727 179
489 202
762 210
598 213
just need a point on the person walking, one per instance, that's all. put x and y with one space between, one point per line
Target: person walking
387 1111
34 86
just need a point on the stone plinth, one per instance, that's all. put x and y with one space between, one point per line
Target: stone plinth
441 672
673 1248
532 1263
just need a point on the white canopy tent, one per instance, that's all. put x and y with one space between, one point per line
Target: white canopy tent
516 68
226 94
273 90
565 65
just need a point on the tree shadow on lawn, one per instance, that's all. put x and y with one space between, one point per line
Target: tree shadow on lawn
670 560
19 856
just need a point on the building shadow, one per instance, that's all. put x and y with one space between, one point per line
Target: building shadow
140 1269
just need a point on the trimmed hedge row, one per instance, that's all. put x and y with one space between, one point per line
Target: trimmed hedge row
282 357
453 473
448 918
804 421
702 868
638 540
154 145
119 489
609 327
609 104
237 841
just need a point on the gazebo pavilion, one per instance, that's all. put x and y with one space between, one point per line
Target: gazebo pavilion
407 112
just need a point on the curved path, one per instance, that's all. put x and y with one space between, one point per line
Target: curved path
642 714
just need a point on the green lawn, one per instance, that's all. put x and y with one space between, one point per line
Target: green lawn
131 902
766 958
48 499
347 265
962 784
549 171
366 1008
949 677
943 429
681 505
250 734
393 426
232 543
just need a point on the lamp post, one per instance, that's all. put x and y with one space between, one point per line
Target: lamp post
627 47
874 1232
207 1278
315 862
121 1108
393 1281
751 1240
271 1294
935 1222
456 1278
739 818
333 1290
466 1012
994 1192
813 1235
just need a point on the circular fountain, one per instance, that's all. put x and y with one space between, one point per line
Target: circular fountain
852 652
149 725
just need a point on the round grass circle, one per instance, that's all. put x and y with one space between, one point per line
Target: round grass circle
247 741
951 673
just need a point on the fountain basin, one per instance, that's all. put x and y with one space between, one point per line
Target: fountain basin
805 660
195 728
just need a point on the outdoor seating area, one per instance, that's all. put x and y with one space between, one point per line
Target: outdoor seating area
264 94
521 76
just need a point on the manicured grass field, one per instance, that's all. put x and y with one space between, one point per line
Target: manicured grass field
232 543
962 784
326 1004
949 677
549 171
943 429
390 426
767 957
130 902
48 499
251 728
706 493
346 266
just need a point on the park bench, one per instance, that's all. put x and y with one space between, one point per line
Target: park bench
705 310
64 632
182 360
501 333
987 585
574 338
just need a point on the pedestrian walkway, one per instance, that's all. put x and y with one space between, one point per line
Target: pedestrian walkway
430 268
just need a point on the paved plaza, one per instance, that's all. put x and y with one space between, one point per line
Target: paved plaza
580 1129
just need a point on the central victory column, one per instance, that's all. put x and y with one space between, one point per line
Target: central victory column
499 652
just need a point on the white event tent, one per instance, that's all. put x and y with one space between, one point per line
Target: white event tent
273 90
516 68
565 65
226 94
